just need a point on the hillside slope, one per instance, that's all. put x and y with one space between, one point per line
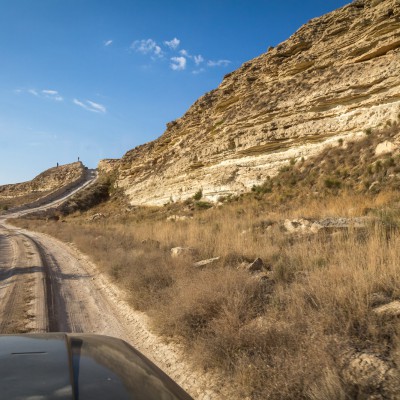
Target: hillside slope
45 183
336 77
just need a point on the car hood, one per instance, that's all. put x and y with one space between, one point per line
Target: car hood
79 366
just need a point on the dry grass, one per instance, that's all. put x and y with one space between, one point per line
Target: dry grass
280 338
283 337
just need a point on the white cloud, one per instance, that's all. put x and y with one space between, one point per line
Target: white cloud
218 63
198 59
172 44
178 63
198 71
184 52
90 106
52 94
43 94
108 43
147 46
97 106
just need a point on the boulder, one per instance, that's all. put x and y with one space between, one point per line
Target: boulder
385 148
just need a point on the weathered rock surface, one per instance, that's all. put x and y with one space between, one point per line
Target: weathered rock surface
336 77
307 226
107 165
385 148
371 377
391 309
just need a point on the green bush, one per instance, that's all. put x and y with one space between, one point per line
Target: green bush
198 195
332 183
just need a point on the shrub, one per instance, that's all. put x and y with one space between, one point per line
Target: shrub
198 195
332 183
203 205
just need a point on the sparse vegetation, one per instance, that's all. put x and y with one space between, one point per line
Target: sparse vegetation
286 333
198 195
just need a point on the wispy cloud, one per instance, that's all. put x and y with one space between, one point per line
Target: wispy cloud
52 94
147 46
90 106
172 44
218 63
96 106
44 94
198 59
108 43
178 63
180 58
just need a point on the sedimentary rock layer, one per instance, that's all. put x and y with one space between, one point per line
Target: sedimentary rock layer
336 77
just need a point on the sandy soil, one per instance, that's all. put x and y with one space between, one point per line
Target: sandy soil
47 285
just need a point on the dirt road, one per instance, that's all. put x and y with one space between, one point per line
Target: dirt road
47 285
54 199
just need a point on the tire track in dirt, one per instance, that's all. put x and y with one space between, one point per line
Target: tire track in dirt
83 300
21 274
57 317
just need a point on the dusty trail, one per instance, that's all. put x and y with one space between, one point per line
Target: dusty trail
22 306
47 285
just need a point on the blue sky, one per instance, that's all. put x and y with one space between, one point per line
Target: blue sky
95 78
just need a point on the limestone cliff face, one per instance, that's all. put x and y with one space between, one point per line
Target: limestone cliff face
48 181
334 78
108 165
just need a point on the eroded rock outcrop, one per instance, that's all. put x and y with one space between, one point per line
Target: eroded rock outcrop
336 77
47 182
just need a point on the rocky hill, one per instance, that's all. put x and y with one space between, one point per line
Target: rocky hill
42 185
336 78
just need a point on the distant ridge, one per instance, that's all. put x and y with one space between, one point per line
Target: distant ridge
47 182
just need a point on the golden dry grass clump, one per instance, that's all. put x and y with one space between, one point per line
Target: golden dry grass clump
294 331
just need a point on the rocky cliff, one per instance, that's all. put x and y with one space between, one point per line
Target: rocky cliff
47 182
335 78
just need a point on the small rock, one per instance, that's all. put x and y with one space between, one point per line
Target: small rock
391 309
366 371
298 225
384 148
98 216
203 263
181 251
256 265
